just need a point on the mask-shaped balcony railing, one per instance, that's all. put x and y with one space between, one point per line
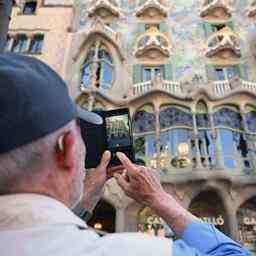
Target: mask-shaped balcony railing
102 6
151 6
252 9
226 41
216 9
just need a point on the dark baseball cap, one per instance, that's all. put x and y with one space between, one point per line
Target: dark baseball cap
34 101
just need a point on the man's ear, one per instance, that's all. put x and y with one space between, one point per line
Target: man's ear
66 150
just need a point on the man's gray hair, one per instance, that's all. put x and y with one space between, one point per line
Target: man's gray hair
25 164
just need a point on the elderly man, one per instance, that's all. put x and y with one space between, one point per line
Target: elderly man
42 177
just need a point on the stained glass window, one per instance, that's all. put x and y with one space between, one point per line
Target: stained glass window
251 121
203 121
144 121
226 117
174 116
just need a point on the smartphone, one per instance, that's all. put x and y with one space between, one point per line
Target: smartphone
115 135
119 134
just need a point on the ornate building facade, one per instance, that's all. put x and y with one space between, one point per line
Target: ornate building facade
186 70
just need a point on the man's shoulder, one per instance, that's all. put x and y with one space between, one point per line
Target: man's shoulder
136 244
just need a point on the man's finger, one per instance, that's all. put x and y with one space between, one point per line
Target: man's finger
122 182
105 160
128 165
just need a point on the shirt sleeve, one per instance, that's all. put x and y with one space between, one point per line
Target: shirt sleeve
200 238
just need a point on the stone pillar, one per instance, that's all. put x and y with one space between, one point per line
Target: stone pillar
120 220
91 102
158 137
232 223
217 150
196 140
95 66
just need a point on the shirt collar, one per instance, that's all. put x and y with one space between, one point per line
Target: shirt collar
19 211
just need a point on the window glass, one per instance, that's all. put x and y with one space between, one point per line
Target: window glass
144 122
37 44
228 148
251 121
228 118
220 75
20 44
30 7
147 74
107 76
86 75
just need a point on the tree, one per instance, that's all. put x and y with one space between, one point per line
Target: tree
5 15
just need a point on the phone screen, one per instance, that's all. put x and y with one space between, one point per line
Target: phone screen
118 131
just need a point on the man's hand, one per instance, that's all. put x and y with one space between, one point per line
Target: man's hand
94 183
139 183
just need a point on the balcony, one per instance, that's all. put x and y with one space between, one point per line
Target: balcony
215 89
223 88
224 44
104 8
216 10
171 87
152 8
252 10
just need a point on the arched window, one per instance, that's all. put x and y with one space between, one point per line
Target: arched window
209 207
98 67
104 218
176 124
144 128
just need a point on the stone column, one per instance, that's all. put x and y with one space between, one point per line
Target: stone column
158 137
232 222
196 140
217 150
120 220
91 102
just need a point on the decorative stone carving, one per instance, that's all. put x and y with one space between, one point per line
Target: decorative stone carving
104 9
153 43
224 44
216 10
252 9
152 8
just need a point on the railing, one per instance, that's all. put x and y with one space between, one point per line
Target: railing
221 88
216 88
251 86
172 87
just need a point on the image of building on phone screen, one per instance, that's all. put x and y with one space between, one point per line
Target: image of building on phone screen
118 131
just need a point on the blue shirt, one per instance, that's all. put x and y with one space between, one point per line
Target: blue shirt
200 238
